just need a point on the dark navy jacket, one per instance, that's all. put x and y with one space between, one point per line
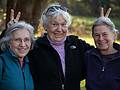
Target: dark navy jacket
102 75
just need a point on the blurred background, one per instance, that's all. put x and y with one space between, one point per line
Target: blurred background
83 13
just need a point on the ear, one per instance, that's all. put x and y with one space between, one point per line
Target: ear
115 35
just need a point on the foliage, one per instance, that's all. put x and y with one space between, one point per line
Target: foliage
83 24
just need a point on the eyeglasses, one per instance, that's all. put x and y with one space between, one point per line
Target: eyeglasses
54 8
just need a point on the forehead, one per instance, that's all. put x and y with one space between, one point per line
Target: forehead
101 29
21 33
58 18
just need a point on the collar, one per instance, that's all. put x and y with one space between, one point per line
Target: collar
57 43
10 53
97 53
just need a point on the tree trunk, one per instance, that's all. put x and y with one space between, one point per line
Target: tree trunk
25 7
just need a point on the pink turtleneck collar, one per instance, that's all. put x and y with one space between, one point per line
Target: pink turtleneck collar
56 43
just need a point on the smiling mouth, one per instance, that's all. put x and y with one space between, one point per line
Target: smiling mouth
22 50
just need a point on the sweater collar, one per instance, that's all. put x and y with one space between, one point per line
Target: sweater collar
57 43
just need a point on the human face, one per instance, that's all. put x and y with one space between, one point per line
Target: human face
57 28
20 43
103 38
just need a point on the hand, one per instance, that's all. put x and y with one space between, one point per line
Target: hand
13 19
102 12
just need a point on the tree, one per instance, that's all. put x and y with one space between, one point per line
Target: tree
30 9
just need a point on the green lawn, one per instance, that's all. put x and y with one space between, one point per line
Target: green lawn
83 88
83 85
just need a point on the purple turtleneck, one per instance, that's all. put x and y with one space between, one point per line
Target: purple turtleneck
59 47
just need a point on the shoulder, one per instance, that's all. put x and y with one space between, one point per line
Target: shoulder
41 41
75 39
92 52
79 42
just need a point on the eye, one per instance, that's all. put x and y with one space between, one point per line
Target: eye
54 24
96 35
105 34
27 40
17 40
64 24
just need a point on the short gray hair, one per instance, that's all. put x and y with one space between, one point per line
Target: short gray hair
55 10
104 21
4 42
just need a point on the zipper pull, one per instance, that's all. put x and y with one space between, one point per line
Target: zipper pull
103 69
62 86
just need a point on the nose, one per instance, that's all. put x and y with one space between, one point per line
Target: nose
59 28
22 43
100 37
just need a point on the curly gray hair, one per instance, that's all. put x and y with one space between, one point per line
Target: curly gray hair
54 10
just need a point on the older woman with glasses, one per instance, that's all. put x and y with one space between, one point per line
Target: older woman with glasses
103 62
14 64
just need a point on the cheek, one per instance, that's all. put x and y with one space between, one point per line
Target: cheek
111 38
65 30
29 45
95 39
12 45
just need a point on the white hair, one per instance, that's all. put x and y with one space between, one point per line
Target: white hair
54 10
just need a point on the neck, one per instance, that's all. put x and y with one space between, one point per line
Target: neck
57 43
21 62
111 51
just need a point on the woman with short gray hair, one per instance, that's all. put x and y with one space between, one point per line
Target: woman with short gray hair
57 59
14 64
103 62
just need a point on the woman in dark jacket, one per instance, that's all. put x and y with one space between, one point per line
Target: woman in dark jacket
103 62
47 64
57 59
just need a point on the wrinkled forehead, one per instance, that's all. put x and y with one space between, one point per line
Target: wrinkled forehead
21 33
57 18
102 29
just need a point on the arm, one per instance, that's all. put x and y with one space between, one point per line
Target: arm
12 21
1 68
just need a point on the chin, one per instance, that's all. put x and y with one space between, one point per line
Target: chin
22 55
103 48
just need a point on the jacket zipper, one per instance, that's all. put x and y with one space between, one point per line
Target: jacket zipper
24 80
62 84
103 69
